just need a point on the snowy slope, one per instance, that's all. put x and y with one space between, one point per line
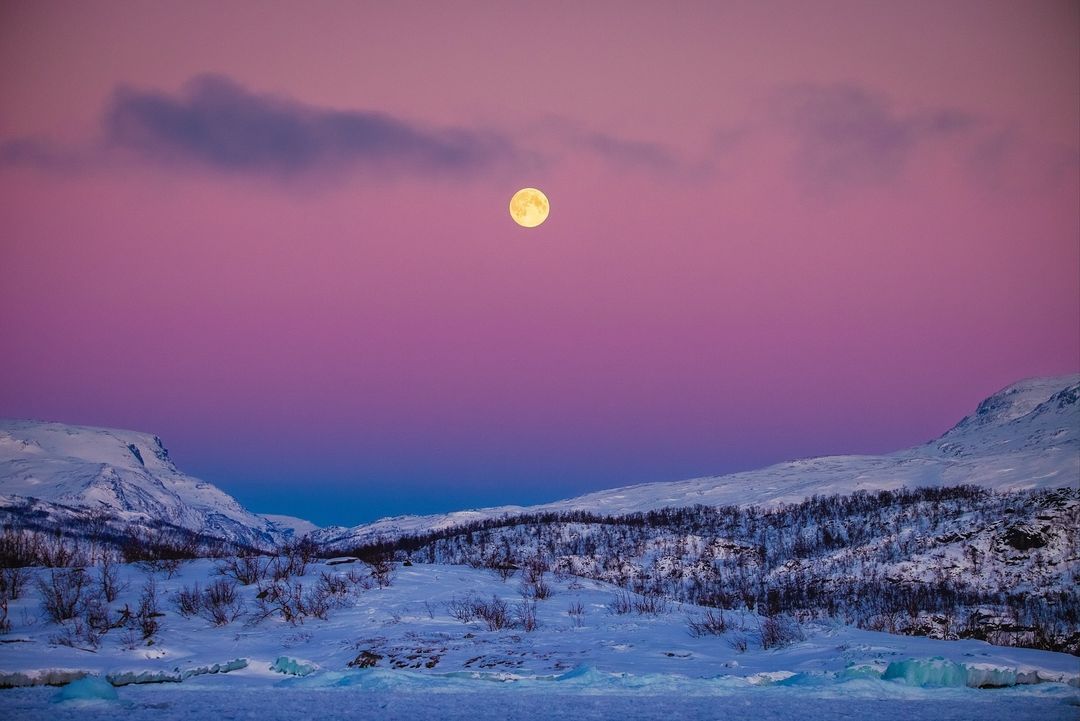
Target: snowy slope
290 526
410 626
124 473
425 663
1025 436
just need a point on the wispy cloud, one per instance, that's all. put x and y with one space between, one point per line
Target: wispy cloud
39 153
217 124
848 134
651 157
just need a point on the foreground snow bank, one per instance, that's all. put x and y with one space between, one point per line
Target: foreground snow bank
124 678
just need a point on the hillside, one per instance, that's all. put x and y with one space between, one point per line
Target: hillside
72 470
1025 436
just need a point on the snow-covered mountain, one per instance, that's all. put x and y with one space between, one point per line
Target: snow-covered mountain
1025 436
126 474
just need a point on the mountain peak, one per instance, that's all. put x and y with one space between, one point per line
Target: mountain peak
125 473
1019 399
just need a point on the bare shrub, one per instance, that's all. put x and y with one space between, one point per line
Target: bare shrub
62 593
148 614
189 600
245 570
739 643
778 631
292 559
306 549
651 605
496 613
12 582
19 548
284 567
5 624
576 611
220 604
55 551
462 610
316 602
382 569
97 621
359 580
525 615
129 640
501 564
160 549
712 623
333 584
538 589
74 635
108 578
533 584
289 600
281 598
621 603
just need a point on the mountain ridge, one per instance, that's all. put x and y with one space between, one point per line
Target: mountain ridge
1027 435
127 474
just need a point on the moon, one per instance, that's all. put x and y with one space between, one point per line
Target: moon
529 207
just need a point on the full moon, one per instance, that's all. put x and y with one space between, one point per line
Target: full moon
529 207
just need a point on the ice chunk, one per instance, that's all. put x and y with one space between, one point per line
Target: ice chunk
124 678
859 671
767 678
983 676
927 672
292 666
235 665
939 672
89 688
582 672
804 679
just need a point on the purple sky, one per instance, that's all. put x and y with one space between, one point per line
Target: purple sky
276 234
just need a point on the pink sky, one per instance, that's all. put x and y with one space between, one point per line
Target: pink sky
777 230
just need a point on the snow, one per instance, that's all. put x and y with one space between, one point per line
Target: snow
407 697
290 525
430 665
408 626
419 661
126 473
1025 436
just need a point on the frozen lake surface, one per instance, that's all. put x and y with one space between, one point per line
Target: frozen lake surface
384 697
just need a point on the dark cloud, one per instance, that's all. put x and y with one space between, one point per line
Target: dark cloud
846 134
217 123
